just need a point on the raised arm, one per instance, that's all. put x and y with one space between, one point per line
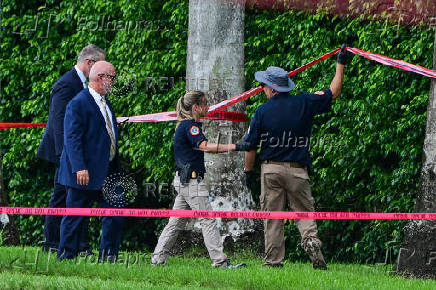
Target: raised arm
344 57
338 80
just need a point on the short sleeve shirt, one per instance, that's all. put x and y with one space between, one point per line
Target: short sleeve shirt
282 126
187 139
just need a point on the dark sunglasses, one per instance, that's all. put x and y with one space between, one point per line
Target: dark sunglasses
262 85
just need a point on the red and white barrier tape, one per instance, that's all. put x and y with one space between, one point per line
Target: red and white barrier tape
135 212
21 125
216 111
172 116
249 93
394 62
157 117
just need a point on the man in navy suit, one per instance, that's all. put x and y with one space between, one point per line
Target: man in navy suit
89 156
50 149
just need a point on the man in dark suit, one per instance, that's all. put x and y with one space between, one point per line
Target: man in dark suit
89 156
50 149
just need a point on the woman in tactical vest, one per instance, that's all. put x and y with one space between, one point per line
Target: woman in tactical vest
189 147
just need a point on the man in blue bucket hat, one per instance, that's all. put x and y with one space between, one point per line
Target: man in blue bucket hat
281 128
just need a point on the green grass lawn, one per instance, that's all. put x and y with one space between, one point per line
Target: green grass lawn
24 268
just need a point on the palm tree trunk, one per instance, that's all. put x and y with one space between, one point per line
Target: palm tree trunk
417 256
215 64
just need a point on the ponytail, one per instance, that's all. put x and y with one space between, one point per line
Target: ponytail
185 104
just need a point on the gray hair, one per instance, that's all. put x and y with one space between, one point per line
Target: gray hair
92 52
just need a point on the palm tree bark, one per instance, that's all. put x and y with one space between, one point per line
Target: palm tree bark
417 256
215 64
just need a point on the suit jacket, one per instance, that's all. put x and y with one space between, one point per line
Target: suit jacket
86 143
63 92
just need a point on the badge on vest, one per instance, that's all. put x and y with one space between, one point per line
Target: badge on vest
319 93
194 130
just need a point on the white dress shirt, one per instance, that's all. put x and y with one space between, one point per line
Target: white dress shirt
81 76
97 99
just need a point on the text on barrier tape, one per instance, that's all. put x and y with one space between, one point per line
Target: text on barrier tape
135 212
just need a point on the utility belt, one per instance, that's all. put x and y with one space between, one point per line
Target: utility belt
186 173
290 164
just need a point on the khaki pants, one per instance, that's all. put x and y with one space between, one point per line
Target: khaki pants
280 182
193 196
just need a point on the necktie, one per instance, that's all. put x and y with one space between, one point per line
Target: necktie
109 130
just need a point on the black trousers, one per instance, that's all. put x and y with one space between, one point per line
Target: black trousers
72 226
53 222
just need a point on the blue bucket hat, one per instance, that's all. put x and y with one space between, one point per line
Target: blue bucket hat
275 78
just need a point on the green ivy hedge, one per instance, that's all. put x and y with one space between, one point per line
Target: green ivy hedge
366 152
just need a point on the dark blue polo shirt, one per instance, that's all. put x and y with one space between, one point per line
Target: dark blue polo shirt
187 138
282 126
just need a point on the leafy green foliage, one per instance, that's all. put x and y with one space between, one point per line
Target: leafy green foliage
366 152
1 236
145 40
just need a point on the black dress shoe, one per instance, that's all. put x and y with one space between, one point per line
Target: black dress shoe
87 253
46 249
111 259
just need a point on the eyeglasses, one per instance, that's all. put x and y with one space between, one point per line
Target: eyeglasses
112 77
91 60
262 85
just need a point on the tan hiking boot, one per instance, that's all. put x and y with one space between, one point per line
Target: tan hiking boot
312 247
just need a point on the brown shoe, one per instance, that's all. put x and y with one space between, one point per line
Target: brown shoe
313 249
280 265
319 265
